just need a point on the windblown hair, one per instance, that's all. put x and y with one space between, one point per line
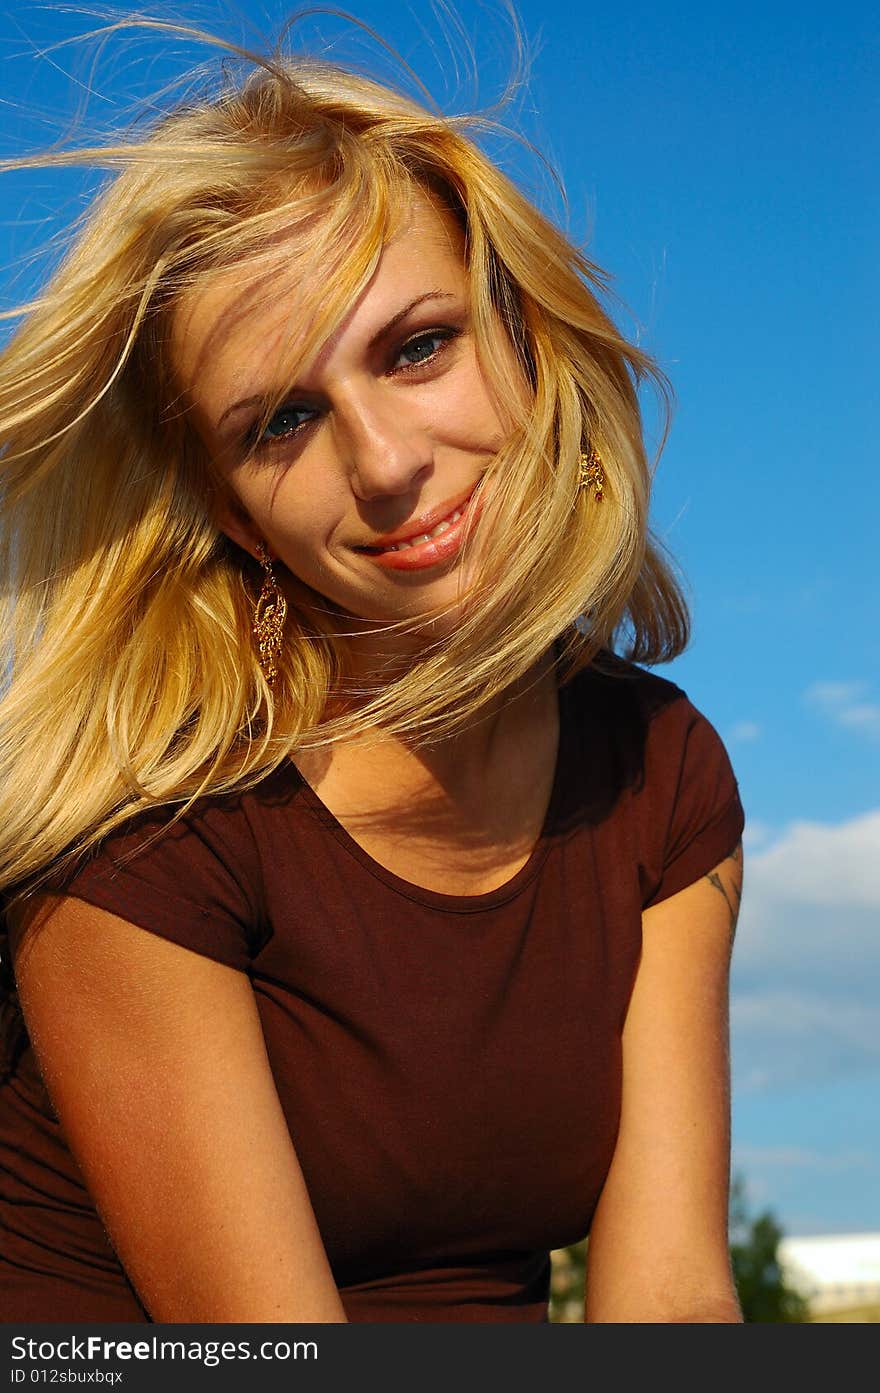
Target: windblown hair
131 674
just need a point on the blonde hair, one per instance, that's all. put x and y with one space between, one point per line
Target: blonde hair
132 675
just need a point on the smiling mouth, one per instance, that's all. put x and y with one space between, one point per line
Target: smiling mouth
437 543
429 534
442 526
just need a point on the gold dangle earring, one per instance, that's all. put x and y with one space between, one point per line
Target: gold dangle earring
269 616
591 473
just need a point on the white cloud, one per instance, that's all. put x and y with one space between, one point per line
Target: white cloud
756 833
785 1038
820 864
801 1158
805 982
864 718
744 732
845 703
830 696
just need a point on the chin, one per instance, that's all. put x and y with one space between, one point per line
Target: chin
421 624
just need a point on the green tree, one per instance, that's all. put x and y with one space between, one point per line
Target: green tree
569 1267
760 1282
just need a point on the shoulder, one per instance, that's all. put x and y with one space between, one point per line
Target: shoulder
626 693
669 768
636 726
195 878
634 707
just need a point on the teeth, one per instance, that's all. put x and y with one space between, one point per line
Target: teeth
443 526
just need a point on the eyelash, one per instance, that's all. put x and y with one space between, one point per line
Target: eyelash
446 335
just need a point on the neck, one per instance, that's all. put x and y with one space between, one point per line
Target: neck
460 763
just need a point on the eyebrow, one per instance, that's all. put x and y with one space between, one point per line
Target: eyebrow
377 339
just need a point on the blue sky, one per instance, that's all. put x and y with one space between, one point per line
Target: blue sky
720 163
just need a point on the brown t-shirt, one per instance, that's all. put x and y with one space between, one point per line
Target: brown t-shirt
449 1065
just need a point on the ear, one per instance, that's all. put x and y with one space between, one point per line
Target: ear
234 522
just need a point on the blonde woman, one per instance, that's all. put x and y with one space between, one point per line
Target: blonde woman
370 909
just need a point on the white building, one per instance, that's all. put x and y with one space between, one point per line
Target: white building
834 1272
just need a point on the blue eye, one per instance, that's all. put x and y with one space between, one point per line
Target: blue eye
286 420
424 347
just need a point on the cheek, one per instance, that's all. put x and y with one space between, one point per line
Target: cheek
300 510
477 412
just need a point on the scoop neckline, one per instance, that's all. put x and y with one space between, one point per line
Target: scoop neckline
438 899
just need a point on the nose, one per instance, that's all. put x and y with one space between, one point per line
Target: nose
384 449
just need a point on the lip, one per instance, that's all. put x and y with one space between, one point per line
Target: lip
424 522
435 549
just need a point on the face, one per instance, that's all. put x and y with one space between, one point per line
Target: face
362 482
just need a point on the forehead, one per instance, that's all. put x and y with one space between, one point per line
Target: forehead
235 329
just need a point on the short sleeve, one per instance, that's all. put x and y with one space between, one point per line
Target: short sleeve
196 882
691 816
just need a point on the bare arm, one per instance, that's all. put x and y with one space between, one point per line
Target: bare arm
658 1249
155 1062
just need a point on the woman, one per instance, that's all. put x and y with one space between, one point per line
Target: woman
370 918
